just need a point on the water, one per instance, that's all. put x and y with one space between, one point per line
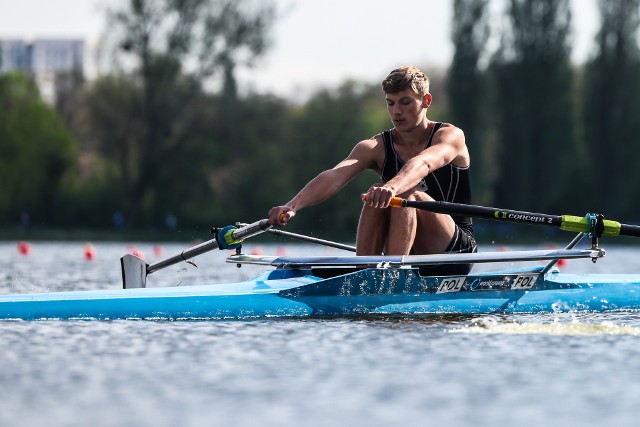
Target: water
557 369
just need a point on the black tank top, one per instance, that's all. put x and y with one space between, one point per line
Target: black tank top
449 183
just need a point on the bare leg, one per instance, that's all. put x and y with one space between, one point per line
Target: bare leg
434 231
372 231
412 231
402 231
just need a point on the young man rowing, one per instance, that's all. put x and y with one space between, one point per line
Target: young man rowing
417 159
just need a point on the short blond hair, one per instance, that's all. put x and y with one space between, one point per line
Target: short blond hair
405 77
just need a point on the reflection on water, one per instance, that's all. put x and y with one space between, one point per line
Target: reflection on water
557 369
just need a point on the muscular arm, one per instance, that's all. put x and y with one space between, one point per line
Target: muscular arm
448 146
329 182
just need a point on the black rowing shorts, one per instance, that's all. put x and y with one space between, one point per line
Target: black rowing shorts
462 242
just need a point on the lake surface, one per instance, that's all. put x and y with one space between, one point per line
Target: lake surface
556 369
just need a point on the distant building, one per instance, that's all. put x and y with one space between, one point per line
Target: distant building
14 55
43 58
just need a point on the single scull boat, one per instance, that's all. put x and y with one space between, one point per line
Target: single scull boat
356 285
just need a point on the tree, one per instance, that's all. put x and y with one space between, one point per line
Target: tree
610 107
467 90
36 150
532 80
247 165
325 130
150 115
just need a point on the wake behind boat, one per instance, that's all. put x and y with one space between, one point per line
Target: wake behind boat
355 285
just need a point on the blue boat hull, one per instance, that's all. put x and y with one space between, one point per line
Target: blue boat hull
298 293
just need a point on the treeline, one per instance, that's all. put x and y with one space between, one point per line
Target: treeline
152 146
547 135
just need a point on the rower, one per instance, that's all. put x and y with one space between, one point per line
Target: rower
418 159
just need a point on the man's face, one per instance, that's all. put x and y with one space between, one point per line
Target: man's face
406 108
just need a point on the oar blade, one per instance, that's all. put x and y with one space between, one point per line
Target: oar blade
134 272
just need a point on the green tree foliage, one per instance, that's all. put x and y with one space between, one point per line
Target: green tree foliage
35 151
610 105
538 152
466 88
151 119
158 137
142 148
325 131
247 150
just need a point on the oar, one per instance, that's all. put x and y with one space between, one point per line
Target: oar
591 223
135 270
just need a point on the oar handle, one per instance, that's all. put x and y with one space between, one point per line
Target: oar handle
396 202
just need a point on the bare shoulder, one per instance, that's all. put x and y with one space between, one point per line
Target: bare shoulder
372 143
370 151
453 137
449 133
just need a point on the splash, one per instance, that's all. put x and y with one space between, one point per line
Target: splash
492 325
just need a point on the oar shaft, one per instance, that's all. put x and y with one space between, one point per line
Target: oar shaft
236 235
564 222
629 230
480 212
